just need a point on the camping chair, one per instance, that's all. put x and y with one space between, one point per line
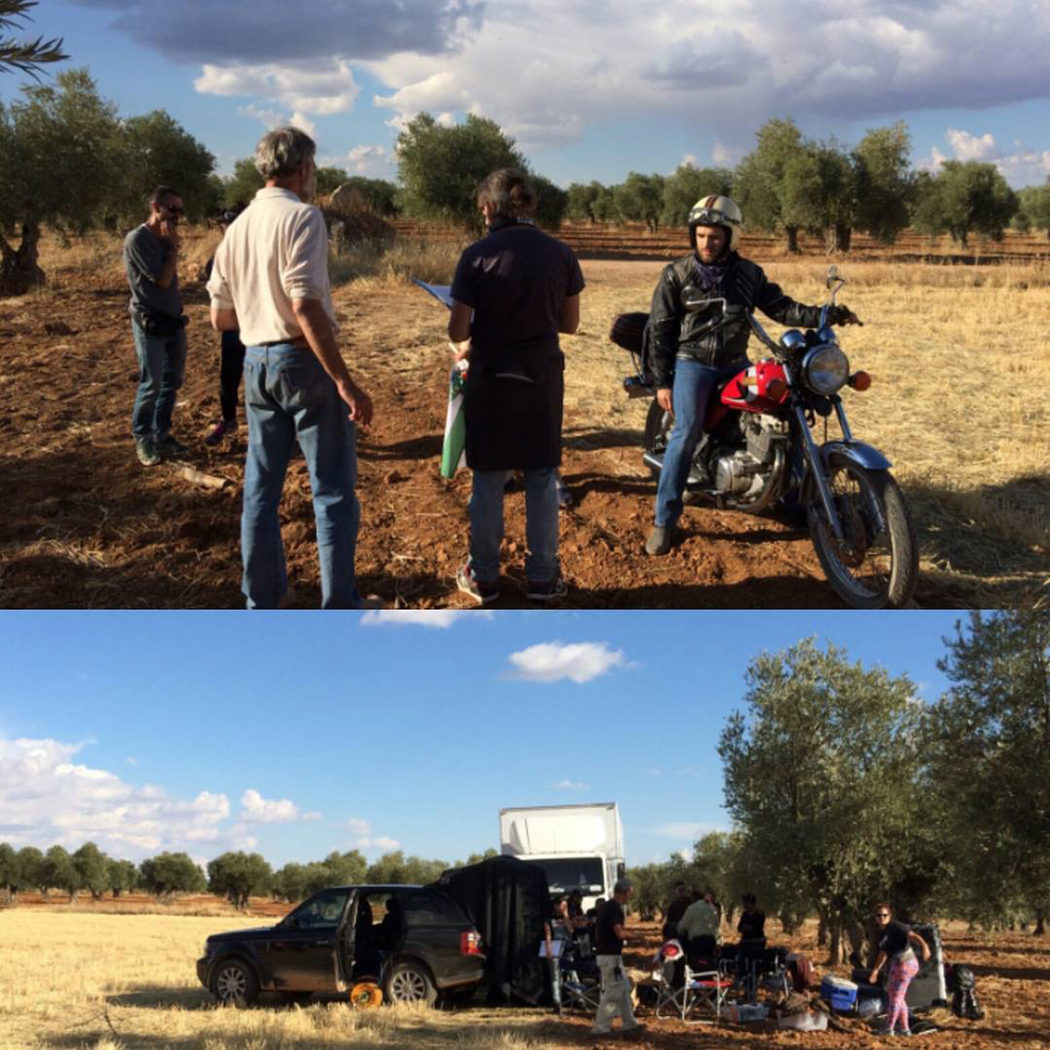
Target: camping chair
581 986
769 971
684 992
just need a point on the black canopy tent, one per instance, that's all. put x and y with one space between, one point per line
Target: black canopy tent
509 901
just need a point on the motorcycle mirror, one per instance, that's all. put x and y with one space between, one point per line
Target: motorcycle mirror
833 274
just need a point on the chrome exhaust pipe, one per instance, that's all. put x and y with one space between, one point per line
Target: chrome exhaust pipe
651 459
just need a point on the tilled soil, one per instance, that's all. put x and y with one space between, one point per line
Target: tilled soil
86 525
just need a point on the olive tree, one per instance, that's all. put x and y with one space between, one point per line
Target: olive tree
884 183
238 876
686 186
816 777
92 869
1034 208
155 149
59 164
963 198
989 764
441 165
169 873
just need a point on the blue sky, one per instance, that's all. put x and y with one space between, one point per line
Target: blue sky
589 89
299 735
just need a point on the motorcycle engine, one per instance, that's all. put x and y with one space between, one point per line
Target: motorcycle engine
742 472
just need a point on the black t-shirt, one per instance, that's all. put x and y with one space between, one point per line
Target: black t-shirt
752 925
516 280
675 911
606 942
894 938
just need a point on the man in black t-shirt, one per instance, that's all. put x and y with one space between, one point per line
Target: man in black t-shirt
610 933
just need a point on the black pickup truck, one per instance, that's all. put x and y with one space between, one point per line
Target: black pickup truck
414 941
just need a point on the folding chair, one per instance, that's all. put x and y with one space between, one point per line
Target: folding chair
684 992
581 986
769 971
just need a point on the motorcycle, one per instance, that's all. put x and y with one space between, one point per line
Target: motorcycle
758 450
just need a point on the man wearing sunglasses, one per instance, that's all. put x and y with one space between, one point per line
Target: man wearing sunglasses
692 351
151 256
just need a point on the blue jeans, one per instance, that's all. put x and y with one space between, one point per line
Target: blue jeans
289 395
693 384
162 366
541 523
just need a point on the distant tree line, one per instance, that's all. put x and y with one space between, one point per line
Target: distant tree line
845 788
235 875
68 160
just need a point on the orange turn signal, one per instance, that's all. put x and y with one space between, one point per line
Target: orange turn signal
776 389
860 380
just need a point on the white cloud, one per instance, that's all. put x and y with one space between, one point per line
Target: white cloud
321 88
570 785
258 810
1022 166
303 123
547 70
46 798
381 842
553 661
377 161
437 618
972 147
684 830
361 829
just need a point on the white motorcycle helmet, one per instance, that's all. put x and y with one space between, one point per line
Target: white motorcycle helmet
715 210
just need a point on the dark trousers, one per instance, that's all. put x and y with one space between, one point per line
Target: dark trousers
230 371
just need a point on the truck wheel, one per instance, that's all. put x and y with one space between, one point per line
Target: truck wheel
409 982
235 982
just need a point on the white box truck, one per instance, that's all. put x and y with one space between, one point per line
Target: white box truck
579 847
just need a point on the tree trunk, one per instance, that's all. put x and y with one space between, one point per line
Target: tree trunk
1040 925
843 237
18 267
792 236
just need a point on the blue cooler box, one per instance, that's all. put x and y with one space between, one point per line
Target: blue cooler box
840 993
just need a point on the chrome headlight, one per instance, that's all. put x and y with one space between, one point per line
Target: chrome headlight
825 369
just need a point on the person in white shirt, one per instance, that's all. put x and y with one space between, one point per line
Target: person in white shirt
270 280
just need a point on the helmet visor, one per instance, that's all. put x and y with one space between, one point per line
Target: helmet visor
711 217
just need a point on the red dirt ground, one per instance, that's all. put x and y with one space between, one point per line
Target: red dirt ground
86 526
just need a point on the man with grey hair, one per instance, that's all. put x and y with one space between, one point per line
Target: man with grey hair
151 256
609 934
270 279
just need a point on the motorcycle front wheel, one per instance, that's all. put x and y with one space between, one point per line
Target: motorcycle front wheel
877 564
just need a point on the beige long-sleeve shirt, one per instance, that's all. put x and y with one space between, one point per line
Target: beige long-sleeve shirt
274 252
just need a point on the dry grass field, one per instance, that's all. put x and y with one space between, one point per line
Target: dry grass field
89 980
958 354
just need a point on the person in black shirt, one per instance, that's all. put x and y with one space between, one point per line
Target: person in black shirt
513 292
610 933
896 944
675 911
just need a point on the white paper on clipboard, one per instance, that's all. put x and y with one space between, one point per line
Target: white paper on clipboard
556 947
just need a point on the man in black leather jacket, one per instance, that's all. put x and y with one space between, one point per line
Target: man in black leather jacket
693 349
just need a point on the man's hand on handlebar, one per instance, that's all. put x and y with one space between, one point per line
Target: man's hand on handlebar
663 399
842 314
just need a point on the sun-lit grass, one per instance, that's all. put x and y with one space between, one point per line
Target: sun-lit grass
118 982
957 355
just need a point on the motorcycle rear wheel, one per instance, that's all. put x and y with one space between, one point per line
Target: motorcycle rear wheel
658 425
878 566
